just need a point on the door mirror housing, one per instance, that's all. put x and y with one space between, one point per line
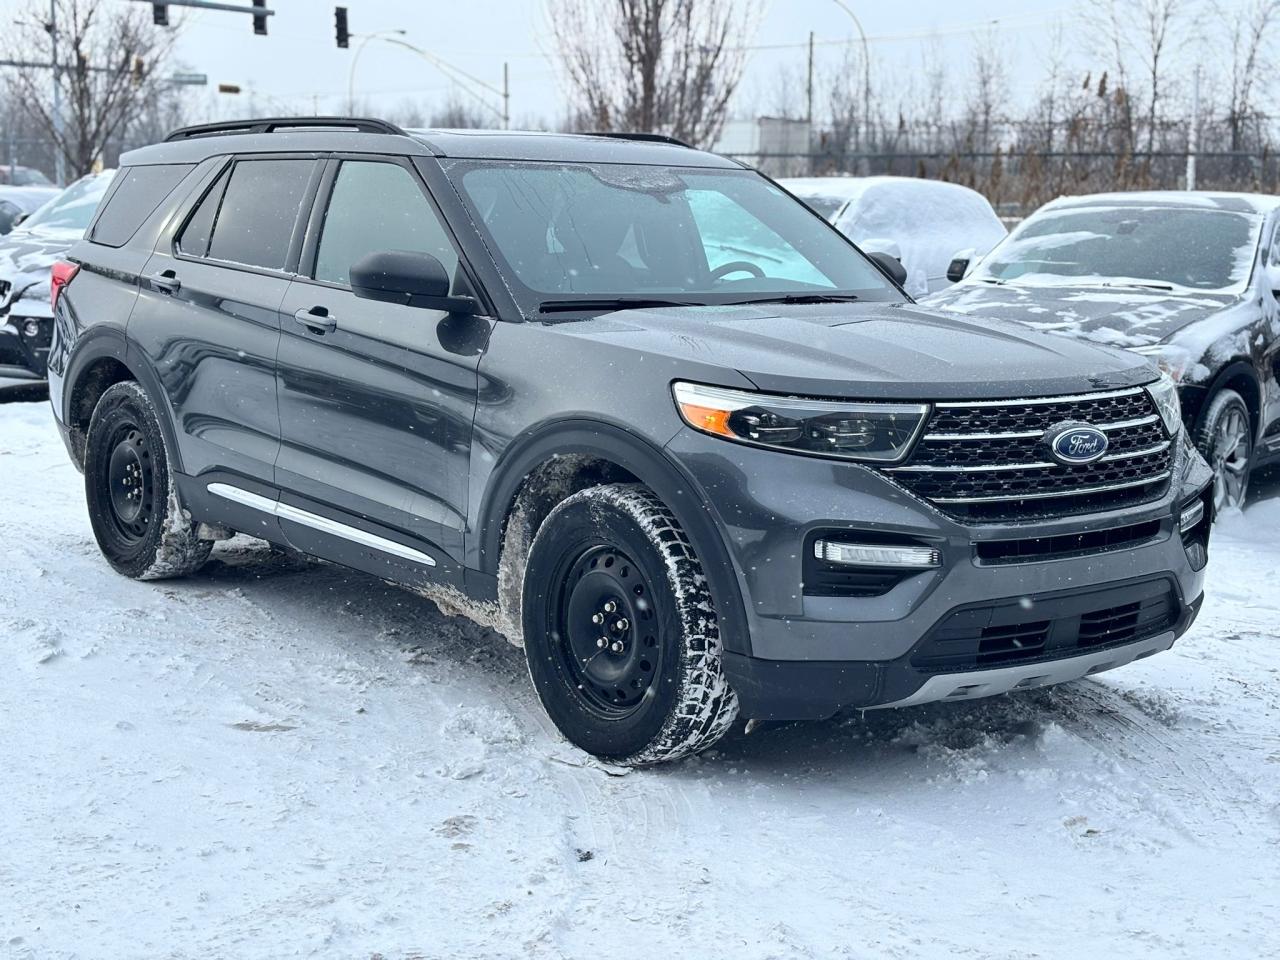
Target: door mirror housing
891 266
408 277
1273 279
959 265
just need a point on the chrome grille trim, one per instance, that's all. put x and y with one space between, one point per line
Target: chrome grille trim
1033 434
1039 401
1038 465
1059 494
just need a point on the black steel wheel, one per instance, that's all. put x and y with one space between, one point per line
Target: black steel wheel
620 629
1225 437
139 526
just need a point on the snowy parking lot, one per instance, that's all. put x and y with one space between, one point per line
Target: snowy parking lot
280 758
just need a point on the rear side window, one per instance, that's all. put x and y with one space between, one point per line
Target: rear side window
136 196
250 214
377 207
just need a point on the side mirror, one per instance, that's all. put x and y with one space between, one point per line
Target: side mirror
881 245
959 265
1273 279
403 276
891 266
17 221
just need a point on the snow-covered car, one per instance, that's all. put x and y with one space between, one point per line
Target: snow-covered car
16 176
1189 279
18 203
26 255
923 223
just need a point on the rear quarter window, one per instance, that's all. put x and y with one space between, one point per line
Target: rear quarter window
136 195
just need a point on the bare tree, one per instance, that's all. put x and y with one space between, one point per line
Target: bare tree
110 59
655 66
1247 34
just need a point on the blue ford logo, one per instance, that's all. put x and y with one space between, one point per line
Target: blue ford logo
1076 444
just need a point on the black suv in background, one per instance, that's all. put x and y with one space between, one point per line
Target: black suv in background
629 402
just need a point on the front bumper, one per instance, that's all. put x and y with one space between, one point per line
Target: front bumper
808 655
24 344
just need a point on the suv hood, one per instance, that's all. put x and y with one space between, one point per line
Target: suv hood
871 350
1113 316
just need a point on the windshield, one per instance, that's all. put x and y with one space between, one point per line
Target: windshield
599 232
1158 246
73 208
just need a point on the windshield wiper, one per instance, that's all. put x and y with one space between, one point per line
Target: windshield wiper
611 303
1138 286
799 298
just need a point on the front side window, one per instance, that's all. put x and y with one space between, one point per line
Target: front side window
250 214
1157 246
570 231
377 207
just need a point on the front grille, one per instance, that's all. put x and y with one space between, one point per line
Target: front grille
1046 628
1031 549
986 461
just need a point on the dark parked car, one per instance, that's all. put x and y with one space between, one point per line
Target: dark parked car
529 375
26 256
1189 279
18 203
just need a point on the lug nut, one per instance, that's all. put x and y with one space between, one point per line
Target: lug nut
616 646
598 619
600 644
610 606
621 625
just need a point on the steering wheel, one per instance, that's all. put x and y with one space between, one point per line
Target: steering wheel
736 266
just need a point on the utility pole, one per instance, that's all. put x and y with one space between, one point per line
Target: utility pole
506 97
1193 135
809 87
59 161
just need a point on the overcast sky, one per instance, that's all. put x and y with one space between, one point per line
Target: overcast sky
299 68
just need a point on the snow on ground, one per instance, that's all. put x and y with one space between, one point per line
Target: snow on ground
278 758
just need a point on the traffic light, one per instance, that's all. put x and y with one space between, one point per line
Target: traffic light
160 14
260 21
340 26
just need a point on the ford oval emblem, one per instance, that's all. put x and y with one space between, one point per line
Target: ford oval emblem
1075 444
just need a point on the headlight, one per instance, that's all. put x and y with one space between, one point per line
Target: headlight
1172 359
1165 395
880 432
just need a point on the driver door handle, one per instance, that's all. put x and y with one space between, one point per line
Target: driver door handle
316 319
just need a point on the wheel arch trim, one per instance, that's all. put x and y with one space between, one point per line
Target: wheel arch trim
651 466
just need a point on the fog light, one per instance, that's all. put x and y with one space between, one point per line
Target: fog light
31 328
1192 514
877 555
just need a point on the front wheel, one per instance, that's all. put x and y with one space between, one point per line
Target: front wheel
620 630
141 528
1225 437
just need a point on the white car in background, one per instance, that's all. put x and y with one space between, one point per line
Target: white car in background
26 255
925 224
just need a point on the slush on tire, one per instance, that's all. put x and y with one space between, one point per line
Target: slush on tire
133 506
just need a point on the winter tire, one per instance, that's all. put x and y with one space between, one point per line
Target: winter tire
620 630
141 528
1225 437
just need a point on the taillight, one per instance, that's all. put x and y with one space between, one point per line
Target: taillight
64 271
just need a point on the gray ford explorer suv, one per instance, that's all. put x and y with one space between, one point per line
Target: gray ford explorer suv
628 402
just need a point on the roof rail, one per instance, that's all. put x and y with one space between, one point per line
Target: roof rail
272 124
643 137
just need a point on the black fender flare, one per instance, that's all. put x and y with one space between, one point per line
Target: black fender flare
649 464
1237 367
110 343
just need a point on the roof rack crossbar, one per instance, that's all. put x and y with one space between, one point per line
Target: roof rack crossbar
643 137
273 124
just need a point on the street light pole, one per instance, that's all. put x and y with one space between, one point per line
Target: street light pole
59 161
355 59
866 74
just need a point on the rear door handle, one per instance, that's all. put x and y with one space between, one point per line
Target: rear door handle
166 282
316 319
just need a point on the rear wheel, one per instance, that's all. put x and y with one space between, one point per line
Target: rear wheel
141 528
620 631
1225 437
